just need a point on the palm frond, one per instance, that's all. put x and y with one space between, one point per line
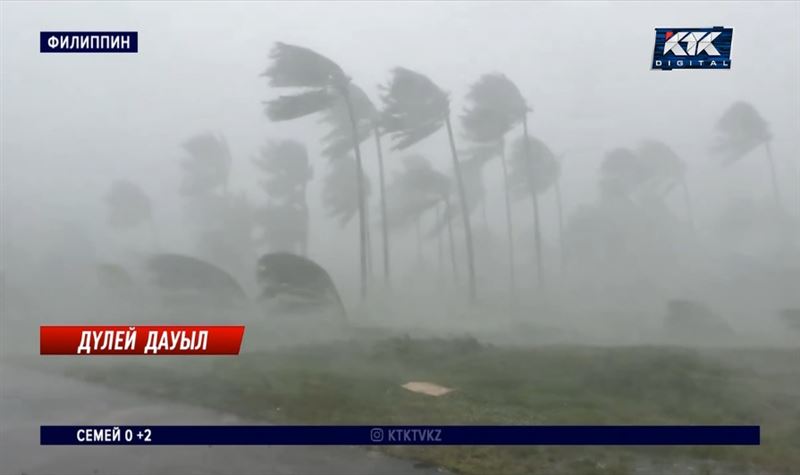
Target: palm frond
622 171
415 190
414 107
495 107
339 140
299 105
340 189
664 169
535 173
296 66
740 129
207 165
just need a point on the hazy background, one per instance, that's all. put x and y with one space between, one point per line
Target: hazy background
72 123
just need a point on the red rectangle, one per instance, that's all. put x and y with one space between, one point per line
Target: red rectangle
141 340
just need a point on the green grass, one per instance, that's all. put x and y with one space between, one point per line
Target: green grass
359 383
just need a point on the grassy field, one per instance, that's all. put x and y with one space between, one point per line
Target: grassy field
359 383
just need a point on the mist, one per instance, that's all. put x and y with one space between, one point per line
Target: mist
646 208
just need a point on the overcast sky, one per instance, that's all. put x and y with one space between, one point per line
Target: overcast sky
71 123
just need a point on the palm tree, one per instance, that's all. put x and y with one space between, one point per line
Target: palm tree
325 82
207 166
495 107
224 219
415 191
415 108
622 173
740 130
337 190
129 206
339 141
534 170
666 170
285 218
560 211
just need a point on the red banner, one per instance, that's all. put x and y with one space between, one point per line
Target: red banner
141 340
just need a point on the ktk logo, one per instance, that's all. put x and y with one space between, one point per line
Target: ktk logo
693 48
696 43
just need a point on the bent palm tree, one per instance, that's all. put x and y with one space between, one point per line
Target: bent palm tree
496 106
666 170
415 108
741 129
339 141
416 190
285 218
180 274
298 67
534 170
207 166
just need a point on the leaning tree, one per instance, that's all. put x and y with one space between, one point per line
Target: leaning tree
416 190
415 108
534 169
665 171
323 83
339 141
285 217
740 130
495 106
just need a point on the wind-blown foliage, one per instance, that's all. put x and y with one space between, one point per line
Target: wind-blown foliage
740 129
415 190
207 166
284 220
282 273
339 190
666 171
128 205
340 138
664 168
534 169
532 174
414 108
179 273
298 67
622 172
495 107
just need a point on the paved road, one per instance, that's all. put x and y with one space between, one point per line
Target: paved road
29 399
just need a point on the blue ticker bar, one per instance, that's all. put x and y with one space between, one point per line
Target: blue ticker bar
400 435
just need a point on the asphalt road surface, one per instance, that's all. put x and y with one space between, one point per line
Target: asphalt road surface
29 399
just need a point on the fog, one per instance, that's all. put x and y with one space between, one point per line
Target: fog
73 124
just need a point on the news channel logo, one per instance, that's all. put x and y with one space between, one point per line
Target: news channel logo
693 48
88 42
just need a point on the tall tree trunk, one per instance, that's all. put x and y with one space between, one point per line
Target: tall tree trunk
688 202
418 233
384 217
362 224
370 256
439 244
462 197
509 225
450 238
537 236
560 211
775 190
